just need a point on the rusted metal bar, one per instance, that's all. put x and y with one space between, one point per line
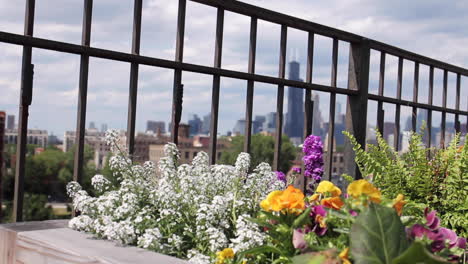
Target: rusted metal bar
412 104
444 114
280 99
356 107
179 54
27 72
170 64
278 18
133 87
398 52
331 121
457 104
250 84
216 84
2 159
415 96
82 94
380 112
308 104
430 100
396 140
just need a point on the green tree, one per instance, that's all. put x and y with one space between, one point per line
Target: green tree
262 150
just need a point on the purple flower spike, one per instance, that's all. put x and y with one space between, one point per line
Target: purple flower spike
297 170
313 158
280 176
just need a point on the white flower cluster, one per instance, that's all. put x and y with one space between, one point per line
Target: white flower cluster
189 211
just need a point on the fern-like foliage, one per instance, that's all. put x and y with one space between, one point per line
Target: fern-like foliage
436 178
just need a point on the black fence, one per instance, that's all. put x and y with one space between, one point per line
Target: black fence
357 90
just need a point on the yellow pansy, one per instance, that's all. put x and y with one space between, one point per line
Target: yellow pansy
272 202
328 187
398 203
344 256
226 253
363 187
291 199
314 197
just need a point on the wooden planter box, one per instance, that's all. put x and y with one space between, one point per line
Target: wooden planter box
51 242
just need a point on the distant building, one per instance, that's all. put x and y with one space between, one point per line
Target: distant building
189 148
156 127
195 125
34 137
92 125
53 140
294 126
317 121
104 127
206 124
257 124
10 122
94 139
269 125
239 127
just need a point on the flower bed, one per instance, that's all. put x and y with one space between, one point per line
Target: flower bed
224 214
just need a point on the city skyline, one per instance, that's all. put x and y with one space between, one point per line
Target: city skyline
56 74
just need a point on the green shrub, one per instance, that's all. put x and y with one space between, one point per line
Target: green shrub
428 177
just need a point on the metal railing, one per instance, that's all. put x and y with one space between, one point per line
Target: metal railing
357 92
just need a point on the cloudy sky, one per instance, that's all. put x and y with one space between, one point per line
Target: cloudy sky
434 28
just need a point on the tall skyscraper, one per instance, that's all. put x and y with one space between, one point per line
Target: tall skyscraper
206 124
103 127
294 127
195 125
10 122
269 125
92 125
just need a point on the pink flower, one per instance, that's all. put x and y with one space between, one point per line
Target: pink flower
298 239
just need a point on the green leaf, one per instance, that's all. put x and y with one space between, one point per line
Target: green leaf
302 219
418 253
261 250
377 236
308 259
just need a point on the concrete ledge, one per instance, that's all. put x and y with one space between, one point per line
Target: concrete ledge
51 242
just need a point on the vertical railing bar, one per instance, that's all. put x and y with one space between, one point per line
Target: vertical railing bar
380 111
444 114
133 87
82 94
396 140
250 84
415 95
331 123
356 105
178 88
430 99
280 98
308 92
457 104
25 102
216 85
308 103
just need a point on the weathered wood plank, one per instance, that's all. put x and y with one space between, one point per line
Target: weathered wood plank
50 242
